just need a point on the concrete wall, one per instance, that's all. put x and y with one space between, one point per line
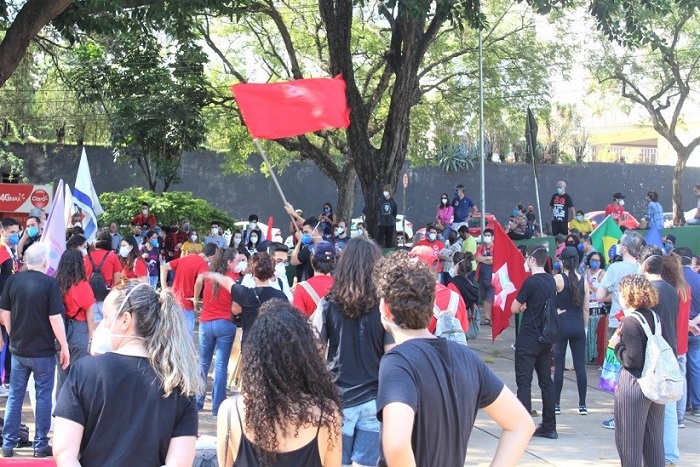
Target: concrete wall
591 186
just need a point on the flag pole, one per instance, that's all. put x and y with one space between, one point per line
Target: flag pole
482 156
269 167
533 152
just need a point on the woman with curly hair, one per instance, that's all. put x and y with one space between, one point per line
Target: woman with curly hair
78 301
288 413
134 405
133 266
639 422
262 267
348 321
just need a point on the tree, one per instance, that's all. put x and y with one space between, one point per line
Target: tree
656 69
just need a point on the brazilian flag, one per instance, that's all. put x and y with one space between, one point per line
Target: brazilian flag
605 235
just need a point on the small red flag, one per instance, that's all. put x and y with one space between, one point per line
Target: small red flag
508 276
292 108
268 236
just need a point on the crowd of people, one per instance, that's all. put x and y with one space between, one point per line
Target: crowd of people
346 356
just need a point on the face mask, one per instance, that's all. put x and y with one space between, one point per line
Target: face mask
557 265
326 210
280 270
360 231
236 241
339 231
83 251
560 191
579 218
254 239
453 271
546 247
32 231
595 264
186 227
579 247
432 237
240 267
444 200
143 211
124 251
622 202
306 239
253 225
13 239
527 265
488 239
193 238
77 224
102 338
386 194
215 231
154 242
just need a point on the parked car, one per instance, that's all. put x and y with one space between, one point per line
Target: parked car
668 217
628 220
276 233
474 224
407 235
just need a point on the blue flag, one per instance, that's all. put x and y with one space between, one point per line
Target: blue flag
85 198
654 237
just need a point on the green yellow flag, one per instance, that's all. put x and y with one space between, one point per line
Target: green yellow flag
605 236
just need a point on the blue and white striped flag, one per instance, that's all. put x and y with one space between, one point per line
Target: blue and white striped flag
85 198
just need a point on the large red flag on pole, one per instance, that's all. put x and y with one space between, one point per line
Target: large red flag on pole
508 276
292 108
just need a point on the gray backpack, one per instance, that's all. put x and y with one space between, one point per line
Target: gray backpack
448 326
661 380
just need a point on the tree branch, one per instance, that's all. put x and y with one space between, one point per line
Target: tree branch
228 66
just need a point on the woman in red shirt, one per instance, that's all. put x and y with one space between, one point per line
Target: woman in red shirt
78 301
216 329
133 266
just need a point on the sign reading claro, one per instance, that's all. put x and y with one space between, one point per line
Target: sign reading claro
40 198
18 198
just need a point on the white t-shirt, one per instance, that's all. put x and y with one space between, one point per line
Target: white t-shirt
611 281
249 282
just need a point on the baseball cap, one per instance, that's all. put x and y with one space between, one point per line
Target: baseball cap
323 251
424 253
618 195
671 237
569 252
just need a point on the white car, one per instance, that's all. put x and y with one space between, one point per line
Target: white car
407 235
276 233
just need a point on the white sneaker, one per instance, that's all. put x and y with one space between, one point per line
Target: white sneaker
4 391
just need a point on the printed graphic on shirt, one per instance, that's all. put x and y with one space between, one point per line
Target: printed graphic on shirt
559 208
386 208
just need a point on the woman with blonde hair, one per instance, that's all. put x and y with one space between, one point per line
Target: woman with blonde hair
639 422
134 405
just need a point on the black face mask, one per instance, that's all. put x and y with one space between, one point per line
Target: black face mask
570 244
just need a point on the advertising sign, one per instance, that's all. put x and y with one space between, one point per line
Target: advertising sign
23 198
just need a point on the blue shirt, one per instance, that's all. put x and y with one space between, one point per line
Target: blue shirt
463 207
693 280
655 213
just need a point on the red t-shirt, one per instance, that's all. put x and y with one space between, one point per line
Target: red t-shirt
615 212
437 247
442 300
77 301
302 300
140 269
218 307
108 269
186 270
683 325
140 219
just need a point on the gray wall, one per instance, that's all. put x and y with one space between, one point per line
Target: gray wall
591 186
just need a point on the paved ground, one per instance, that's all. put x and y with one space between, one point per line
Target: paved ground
582 441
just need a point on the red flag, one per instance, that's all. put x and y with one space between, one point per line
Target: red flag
508 276
292 108
268 237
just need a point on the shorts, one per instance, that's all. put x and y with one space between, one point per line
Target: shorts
361 434
485 292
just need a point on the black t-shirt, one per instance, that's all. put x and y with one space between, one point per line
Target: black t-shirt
560 205
304 270
445 384
119 401
667 309
535 292
387 211
31 297
250 300
355 347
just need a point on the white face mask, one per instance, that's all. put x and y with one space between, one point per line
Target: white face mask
240 267
527 265
124 251
432 237
83 251
360 231
144 212
236 241
453 271
280 270
339 231
488 239
102 337
215 231
254 239
253 225
193 238
386 194
622 202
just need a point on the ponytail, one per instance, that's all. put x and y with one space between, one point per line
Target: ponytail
569 265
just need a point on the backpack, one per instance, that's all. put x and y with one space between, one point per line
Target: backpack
552 328
97 281
474 314
470 295
448 326
22 434
661 380
310 290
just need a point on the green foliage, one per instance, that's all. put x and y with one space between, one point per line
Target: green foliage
121 207
11 164
458 157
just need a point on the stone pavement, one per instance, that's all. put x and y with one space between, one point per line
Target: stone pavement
582 441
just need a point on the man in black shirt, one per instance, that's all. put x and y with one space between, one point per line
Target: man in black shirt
562 210
430 388
32 311
530 353
386 225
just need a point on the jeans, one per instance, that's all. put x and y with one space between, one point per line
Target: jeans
693 369
215 335
78 343
153 281
693 222
531 355
43 369
97 312
361 434
189 320
671 452
683 401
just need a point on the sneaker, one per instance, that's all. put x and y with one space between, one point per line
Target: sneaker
46 452
609 424
545 434
533 413
582 410
696 411
681 424
8 452
557 409
4 391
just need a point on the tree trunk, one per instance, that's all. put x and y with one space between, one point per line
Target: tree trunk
346 194
34 15
678 217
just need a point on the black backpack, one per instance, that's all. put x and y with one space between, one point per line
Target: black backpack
97 281
552 329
